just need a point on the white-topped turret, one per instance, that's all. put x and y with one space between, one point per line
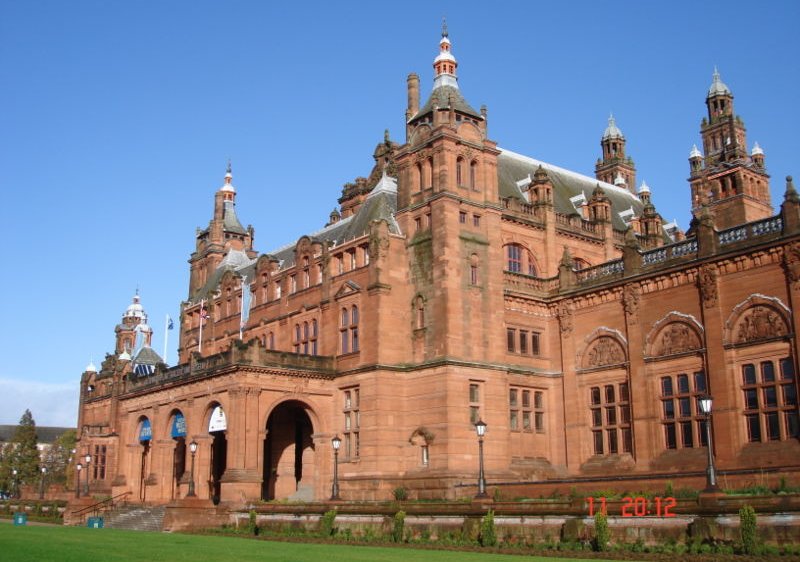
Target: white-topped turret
612 131
445 64
718 87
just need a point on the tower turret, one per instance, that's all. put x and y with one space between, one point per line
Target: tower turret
224 233
733 184
128 329
614 166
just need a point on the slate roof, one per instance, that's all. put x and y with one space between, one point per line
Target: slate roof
512 167
441 96
147 356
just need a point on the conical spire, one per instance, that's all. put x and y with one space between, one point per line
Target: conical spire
228 186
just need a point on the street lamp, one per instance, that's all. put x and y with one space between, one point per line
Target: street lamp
335 443
193 450
41 483
711 473
88 459
15 487
480 429
78 468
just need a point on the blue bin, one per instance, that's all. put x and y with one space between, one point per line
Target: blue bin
20 519
95 523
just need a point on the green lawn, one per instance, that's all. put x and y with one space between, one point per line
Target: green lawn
79 544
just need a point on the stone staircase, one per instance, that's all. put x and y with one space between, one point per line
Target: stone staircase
136 518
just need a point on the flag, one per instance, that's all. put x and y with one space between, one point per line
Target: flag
170 323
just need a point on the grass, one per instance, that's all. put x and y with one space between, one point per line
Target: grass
79 544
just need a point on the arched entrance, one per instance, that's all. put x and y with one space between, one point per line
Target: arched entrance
289 458
145 435
217 425
178 434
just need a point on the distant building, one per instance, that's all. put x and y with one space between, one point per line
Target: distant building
460 281
46 436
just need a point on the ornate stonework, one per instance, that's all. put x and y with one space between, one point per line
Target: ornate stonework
630 300
677 337
791 263
758 323
564 313
708 285
603 351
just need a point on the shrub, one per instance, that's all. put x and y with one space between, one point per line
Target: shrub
488 536
252 523
326 522
747 530
398 525
602 535
400 494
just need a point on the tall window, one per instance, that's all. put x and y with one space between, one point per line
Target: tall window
270 341
348 330
611 419
770 400
293 283
523 342
473 174
99 461
684 423
419 309
314 335
459 171
474 402
474 272
352 422
297 338
514 254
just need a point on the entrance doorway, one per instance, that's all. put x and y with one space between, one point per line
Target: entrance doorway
289 456
217 426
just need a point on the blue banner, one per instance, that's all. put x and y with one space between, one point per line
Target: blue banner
178 426
145 431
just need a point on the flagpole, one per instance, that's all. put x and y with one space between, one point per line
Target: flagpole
166 337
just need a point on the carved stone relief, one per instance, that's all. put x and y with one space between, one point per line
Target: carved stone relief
605 350
708 285
759 322
677 337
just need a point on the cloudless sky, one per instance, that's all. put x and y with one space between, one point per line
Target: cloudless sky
117 120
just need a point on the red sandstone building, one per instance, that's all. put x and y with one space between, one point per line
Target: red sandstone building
461 281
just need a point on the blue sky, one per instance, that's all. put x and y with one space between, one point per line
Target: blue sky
117 120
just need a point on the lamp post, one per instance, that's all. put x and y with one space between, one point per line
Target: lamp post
15 485
88 459
41 483
480 429
193 450
711 473
335 443
78 468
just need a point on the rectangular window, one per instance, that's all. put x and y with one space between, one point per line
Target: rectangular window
535 349
293 283
339 264
770 400
476 220
522 408
475 402
678 395
610 418
352 257
352 417
511 336
417 224
523 342
462 217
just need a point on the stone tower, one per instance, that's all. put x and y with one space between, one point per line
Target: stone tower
615 167
733 184
224 233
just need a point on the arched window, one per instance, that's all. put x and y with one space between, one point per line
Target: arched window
520 260
296 345
354 329
420 177
514 255
314 333
430 172
474 273
305 338
473 173
459 171
345 323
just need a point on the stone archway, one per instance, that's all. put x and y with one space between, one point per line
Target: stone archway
289 455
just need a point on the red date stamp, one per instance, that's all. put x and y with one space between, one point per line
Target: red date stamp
638 506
